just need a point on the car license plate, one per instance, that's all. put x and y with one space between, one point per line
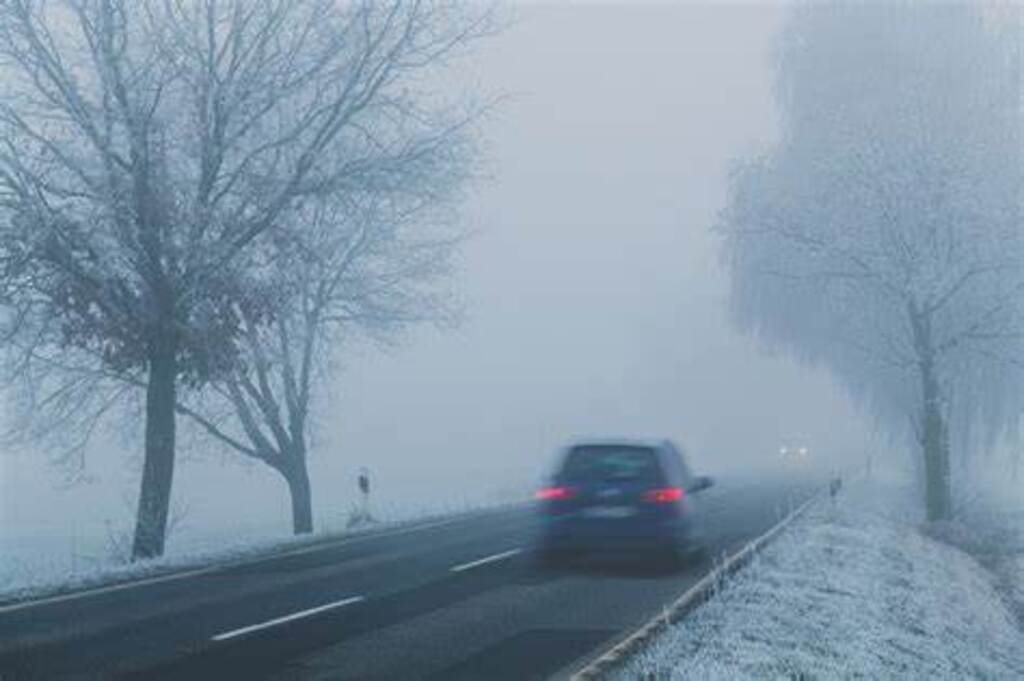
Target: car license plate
609 511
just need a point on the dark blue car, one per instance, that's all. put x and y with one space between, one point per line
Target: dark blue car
621 497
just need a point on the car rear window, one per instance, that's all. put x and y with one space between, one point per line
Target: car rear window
608 463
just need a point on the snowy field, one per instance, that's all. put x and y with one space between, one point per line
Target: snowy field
851 591
37 564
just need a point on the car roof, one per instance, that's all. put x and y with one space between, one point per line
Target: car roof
652 443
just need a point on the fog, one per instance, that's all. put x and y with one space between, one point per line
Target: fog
594 294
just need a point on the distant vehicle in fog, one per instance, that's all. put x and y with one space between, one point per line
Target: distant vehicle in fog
795 453
621 497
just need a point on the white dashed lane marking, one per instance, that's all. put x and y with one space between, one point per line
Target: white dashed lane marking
484 561
286 618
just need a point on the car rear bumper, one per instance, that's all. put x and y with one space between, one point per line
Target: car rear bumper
582 535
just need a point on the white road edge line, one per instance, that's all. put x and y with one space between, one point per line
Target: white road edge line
234 633
187 573
484 561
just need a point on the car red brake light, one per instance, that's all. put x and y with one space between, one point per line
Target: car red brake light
555 493
664 495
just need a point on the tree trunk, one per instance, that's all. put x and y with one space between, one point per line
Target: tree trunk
158 467
302 499
934 431
934 448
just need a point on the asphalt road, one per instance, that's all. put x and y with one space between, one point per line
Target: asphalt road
453 599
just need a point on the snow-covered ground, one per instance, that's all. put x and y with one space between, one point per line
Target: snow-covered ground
851 591
1011 573
38 564
992 530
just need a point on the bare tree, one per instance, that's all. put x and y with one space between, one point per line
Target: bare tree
147 151
883 235
369 268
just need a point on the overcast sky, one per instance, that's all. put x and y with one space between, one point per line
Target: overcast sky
596 299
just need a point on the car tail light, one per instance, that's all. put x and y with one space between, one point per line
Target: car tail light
555 493
663 495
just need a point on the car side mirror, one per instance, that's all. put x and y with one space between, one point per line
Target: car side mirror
701 482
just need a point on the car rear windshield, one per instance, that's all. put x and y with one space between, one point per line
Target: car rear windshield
607 463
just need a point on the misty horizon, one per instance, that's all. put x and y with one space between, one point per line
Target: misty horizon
592 282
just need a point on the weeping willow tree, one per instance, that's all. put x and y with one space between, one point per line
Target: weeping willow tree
881 236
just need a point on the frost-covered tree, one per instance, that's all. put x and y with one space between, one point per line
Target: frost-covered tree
882 234
152 151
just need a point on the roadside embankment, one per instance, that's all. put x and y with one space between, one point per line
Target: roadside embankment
853 589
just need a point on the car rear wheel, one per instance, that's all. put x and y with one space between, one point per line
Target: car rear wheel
551 557
682 557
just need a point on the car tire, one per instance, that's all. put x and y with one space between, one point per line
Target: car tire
690 555
698 554
549 557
